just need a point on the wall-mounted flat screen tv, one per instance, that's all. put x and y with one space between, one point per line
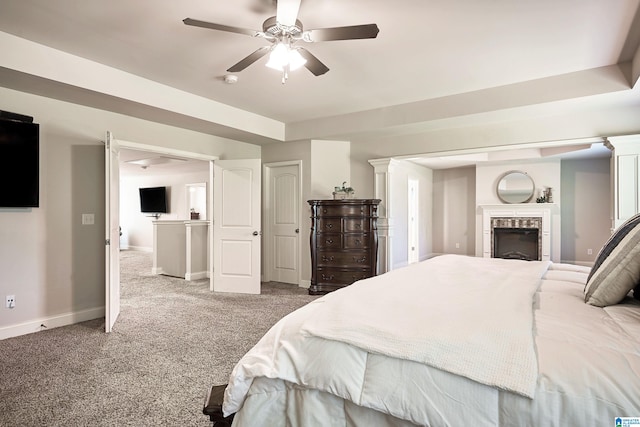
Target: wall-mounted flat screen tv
153 200
19 164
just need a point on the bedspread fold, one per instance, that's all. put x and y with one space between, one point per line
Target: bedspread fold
400 314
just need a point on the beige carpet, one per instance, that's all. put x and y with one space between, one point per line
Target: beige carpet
173 339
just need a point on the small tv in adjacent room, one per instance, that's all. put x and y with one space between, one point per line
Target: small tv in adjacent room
153 200
19 163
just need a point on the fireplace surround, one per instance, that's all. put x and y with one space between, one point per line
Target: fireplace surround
516 238
522 220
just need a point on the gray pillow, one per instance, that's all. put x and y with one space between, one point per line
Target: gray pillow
617 267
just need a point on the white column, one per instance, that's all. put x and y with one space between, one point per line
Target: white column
383 169
625 177
196 249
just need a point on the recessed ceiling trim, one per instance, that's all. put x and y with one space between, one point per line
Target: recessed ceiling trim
157 160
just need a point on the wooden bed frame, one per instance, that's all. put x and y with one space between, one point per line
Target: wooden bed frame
213 407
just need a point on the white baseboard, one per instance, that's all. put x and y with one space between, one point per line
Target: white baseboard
305 284
582 263
196 276
136 248
51 322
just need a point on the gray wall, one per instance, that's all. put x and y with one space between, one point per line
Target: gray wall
52 263
454 204
586 208
137 228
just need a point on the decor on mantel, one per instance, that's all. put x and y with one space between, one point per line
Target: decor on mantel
343 192
194 214
546 196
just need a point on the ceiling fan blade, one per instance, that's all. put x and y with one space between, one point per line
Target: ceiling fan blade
287 12
366 31
212 26
313 64
250 59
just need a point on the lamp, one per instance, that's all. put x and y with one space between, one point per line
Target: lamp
283 57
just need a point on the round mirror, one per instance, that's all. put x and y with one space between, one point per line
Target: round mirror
515 187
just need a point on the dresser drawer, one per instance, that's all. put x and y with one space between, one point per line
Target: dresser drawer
329 225
351 259
346 210
329 241
338 277
356 241
356 224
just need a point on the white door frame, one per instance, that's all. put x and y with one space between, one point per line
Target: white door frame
180 153
112 226
413 220
266 218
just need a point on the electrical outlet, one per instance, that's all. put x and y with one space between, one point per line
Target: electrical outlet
10 301
589 251
457 245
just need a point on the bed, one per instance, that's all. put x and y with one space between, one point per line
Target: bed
451 341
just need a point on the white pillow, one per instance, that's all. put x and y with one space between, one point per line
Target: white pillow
617 267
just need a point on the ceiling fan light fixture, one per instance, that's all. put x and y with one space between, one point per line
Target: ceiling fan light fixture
282 55
282 31
278 57
295 59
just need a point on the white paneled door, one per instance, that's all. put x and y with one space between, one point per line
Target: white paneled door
236 226
284 217
413 227
112 232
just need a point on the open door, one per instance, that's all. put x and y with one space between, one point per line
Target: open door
112 232
236 226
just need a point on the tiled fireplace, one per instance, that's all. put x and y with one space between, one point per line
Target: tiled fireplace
518 231
516 238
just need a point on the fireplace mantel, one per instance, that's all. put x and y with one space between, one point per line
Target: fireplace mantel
549 232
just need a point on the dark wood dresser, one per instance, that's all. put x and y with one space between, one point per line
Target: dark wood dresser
344 243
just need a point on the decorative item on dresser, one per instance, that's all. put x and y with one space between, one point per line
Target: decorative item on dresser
344 242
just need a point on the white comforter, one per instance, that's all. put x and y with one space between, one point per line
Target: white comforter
468 316
587 365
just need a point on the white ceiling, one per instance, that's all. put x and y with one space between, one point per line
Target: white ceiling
143 163
433 60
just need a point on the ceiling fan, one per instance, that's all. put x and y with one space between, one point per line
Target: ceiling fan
283 31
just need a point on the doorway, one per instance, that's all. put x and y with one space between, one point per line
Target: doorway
113 145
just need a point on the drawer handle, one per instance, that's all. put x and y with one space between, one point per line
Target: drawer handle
360 260
329 226
329 242
324 211
358 226
328 278
358 242
327 258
